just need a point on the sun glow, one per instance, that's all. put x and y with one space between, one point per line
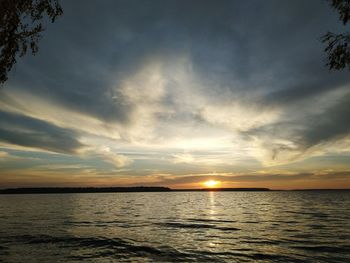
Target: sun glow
211 183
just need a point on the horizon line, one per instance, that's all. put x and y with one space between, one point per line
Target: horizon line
126 189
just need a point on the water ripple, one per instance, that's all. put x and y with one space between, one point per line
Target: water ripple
196 226
176 227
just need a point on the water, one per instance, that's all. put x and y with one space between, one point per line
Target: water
176 227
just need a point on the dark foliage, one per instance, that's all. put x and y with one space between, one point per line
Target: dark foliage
343 8
338 45
21 24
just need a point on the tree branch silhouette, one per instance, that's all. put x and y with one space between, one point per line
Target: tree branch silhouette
338 45
21 25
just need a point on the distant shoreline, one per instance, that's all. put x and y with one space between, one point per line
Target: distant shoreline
62 190
70 190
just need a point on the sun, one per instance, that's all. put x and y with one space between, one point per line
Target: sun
211 183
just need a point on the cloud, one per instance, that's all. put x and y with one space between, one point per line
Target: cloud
332 124
117 160
254 177
183 158
34 133
292 138
242 77
4 155
233 49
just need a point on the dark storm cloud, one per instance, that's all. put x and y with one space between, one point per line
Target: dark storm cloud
272 45
29 132
330 125
308 87
309 130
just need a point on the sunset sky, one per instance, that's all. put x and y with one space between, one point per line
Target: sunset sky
174 93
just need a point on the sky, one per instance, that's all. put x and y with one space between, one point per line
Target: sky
174 93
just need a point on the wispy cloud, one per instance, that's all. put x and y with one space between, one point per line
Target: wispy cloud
29 132
118 160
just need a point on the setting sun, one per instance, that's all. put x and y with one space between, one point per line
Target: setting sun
211 183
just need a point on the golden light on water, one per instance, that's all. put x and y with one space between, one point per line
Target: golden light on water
211 183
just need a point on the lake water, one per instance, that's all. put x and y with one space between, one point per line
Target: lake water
176 227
